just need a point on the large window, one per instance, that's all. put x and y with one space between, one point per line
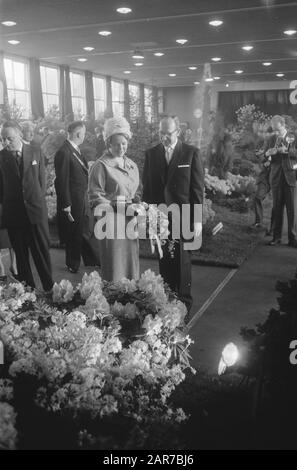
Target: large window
78 94
117 90
148 103
50 86
99 85
134 99
17 78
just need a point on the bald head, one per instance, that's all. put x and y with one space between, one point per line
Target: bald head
169 130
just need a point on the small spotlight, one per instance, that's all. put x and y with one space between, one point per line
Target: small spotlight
290 32
9 23
215 23
124 10
182 41
230 356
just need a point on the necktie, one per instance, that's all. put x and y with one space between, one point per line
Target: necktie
168 152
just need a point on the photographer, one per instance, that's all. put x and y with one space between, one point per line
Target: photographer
283 180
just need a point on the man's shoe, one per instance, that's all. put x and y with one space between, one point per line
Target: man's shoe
274 243
72 270
293 244
258 226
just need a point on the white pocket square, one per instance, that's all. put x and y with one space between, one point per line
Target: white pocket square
34 162
183 166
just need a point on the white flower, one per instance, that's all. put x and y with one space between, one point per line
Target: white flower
8 433
63 292
91 284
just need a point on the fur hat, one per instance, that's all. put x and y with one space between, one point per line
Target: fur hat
116 125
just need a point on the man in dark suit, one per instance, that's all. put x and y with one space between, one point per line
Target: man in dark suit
173 174
71 185
283 182
23 206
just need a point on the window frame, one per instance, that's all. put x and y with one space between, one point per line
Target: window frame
27 90
120 102
104 100
46 93
84 98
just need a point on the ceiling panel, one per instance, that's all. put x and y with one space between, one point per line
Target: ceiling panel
57 30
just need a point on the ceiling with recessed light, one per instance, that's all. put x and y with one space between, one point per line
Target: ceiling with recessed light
65 31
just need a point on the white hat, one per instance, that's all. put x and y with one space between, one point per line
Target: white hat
116 125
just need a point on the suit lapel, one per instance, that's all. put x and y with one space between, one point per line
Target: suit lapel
161 164
27 157
174 159
10 163
78 157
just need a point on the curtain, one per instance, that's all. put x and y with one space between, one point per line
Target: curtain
269 101
90 94
65 93
36 89
108 111
126 100
155 103
3 88
141 101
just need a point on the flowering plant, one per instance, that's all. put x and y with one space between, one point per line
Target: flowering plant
114 354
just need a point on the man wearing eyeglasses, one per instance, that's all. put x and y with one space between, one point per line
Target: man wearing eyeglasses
173 174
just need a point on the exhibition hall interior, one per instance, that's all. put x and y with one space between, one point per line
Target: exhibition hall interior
148 225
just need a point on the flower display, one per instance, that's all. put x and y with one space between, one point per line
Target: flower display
63 292
115 351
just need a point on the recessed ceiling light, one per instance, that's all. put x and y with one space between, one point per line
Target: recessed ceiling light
196 83
267 64
124 10
159 54
238 71
88 48
192 68
82 59
290 32
138 64
127 72
227 85
216 78
280 75
216 59
104 33
209 79
182 41
137 55
13 42
172 74
8 23
215 23
247 48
